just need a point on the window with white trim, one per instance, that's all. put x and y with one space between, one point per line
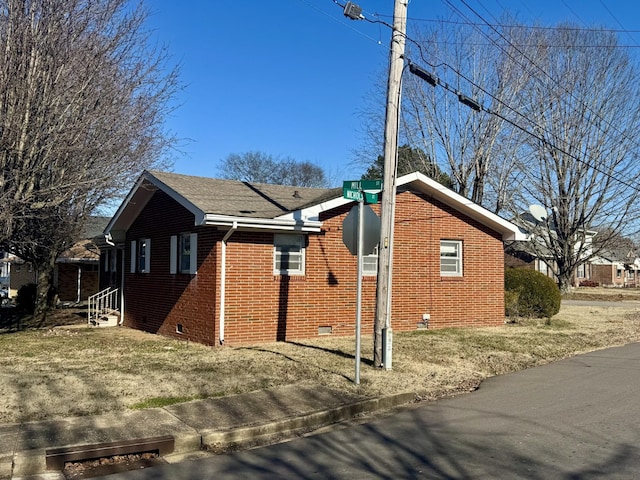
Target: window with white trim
370 263
581 273
451 258
183 255
288 256
140 255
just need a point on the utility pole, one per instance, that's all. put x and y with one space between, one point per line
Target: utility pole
387 208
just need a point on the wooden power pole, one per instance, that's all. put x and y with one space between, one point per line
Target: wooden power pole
387 207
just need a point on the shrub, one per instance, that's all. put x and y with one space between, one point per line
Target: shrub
589 283
26 298
530 294
511 299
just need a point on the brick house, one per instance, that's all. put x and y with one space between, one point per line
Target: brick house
615 268
75 274
220 261
76 271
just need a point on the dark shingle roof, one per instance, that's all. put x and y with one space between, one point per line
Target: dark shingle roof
243 199
94 226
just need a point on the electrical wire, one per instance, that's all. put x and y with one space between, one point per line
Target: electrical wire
537 67
590 164
346 24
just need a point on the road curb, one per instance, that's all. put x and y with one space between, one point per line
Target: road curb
190 440
220 439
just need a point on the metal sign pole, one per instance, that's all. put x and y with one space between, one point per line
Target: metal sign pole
359 286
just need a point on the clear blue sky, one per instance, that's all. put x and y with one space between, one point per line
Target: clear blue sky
291 77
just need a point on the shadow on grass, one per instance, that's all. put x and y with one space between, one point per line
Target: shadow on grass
332 351
340 353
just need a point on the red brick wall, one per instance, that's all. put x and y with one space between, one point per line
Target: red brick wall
261 306
68 281
606 275
158 301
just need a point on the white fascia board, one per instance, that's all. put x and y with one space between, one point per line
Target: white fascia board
123 206
262 223
447 196
77 260
313 212
509 231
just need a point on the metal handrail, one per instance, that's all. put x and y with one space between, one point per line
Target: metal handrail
105 301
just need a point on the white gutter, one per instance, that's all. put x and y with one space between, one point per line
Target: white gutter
223 278
262 223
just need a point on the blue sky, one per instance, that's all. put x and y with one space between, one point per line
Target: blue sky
292 77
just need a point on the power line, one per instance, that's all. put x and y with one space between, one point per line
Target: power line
538 68
478 107
524 27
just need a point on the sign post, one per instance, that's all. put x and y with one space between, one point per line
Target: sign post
361 191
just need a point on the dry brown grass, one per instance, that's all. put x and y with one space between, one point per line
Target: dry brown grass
75 370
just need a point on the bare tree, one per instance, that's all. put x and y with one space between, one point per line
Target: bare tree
476 149
264 168
583 107
83 97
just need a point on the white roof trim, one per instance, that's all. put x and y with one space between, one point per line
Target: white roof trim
427 185
263 223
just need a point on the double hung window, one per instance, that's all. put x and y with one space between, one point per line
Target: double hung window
288 257
370 263
451 258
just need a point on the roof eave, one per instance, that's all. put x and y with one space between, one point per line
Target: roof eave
146 185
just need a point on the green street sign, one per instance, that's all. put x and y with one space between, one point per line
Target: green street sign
362 190
351 193
374 186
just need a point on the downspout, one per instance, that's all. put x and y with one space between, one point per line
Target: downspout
223 277
121 286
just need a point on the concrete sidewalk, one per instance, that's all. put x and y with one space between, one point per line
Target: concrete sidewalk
211 424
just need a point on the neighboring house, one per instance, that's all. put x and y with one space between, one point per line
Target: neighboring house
616 268
520 254
5 266
75 275
222 261
535 254
20 273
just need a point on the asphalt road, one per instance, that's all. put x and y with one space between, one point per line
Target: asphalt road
574 419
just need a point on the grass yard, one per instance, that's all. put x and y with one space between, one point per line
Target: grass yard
66 370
